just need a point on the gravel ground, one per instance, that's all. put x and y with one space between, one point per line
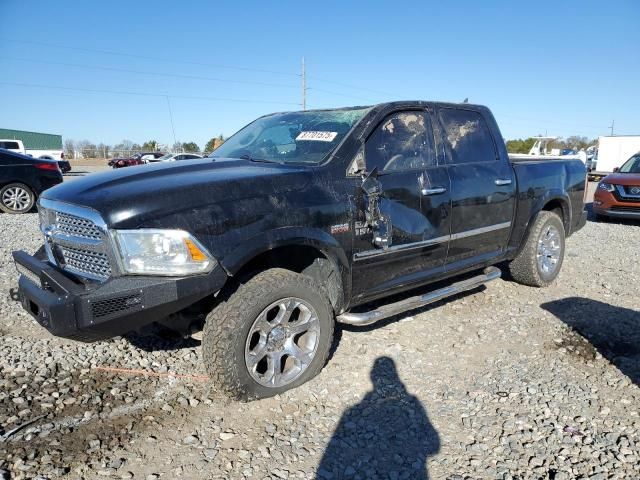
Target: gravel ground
504 382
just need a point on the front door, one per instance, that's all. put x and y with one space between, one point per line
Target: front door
482 189
414 197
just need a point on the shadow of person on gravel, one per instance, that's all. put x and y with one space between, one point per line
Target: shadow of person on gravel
386 436
613 331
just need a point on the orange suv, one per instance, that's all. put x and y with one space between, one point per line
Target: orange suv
618 194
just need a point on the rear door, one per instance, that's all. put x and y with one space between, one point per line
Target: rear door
482 189
414 197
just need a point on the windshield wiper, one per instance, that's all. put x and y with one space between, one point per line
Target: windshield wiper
257 160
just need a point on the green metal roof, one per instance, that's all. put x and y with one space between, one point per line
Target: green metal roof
33 140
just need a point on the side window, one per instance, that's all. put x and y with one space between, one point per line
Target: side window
467 135
10 145
403 141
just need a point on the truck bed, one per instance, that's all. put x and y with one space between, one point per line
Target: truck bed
539 180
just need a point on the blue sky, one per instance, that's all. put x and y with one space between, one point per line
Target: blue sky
562 68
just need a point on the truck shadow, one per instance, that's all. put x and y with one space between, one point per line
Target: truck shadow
387 435
161 341
613 331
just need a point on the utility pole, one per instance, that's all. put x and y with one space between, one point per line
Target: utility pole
304 86
613 122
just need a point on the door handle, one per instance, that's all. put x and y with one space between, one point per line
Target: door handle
503 181
433 191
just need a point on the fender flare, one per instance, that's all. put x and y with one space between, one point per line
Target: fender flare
553 196
249 249
550 196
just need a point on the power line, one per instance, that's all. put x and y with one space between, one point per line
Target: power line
146 94
191 62
142 72
148 57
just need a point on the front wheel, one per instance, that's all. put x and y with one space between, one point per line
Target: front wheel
540 259
16 198
272 334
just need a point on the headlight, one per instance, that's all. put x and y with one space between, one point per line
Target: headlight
607 187
162 252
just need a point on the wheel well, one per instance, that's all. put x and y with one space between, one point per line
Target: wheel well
300 259
559 208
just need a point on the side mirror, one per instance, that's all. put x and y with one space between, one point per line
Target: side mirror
615 169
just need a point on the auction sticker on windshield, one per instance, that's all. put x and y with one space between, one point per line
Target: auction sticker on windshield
317 136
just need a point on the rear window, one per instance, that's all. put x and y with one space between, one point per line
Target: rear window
10 145
468 136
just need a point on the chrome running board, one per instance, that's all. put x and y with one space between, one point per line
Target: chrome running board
386 311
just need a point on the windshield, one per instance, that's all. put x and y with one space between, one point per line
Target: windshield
294 137
165 157
631 166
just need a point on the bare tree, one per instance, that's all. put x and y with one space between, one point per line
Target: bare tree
69 148
103 150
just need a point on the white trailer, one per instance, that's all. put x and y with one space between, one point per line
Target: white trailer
613 151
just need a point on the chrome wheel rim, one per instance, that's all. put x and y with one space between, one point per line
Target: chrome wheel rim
549 249
16 198
282 342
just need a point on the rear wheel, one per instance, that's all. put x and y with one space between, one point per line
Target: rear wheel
540 259
16 198
272 334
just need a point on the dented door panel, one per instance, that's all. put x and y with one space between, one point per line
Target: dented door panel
406 199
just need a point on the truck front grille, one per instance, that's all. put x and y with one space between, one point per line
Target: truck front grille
76 239
76 226
85 261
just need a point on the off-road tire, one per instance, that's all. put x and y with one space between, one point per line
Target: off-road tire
525 268
228 324
6 208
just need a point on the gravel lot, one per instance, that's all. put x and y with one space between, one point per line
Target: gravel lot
505 382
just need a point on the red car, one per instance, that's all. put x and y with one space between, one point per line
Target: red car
137 159
618 194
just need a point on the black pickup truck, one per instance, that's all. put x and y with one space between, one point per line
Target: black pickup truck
299 220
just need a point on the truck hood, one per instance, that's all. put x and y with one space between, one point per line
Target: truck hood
623 178
129 197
